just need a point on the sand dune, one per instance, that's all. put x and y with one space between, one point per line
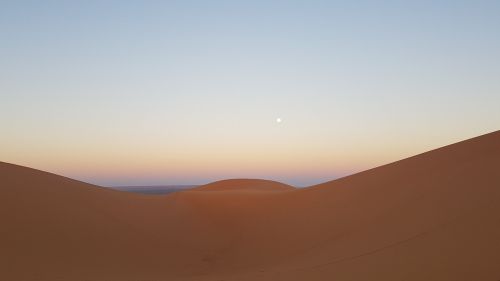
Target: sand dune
434 216
245 184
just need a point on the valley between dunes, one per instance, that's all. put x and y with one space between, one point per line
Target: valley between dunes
434 216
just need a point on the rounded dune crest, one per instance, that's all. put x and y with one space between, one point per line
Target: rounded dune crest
245 184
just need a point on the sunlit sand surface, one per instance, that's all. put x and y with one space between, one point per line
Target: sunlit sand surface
434 216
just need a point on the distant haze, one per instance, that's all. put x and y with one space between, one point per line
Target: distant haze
188 92
155 189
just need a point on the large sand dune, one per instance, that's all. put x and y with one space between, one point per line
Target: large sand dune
434 216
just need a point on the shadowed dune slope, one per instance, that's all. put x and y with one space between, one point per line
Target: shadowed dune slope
434 216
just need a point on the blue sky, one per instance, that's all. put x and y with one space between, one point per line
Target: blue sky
180 92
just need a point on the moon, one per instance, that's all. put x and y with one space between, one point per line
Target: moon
278 120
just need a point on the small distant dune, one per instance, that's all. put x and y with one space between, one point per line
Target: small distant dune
434 216
245 184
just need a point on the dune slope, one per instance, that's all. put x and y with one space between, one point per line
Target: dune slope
434 216
245 184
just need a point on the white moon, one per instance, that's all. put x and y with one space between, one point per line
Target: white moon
278 120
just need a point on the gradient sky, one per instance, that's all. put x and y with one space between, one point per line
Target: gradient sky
187 92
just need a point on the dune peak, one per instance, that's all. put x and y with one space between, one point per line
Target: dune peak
245 184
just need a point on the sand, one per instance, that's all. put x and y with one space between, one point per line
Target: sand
245 184
434 216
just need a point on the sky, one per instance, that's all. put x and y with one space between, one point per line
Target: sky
188 92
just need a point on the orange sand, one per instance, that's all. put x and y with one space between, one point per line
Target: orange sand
434 216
